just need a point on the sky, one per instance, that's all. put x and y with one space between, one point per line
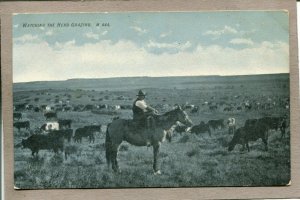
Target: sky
100 45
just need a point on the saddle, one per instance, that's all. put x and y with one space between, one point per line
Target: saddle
142 124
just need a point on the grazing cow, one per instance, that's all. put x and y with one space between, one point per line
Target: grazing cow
213 108
231 125
272 122
65 123
38 142
244 135
17 115
24 124
50 126
180 128
88 107
50 115
20 107
86 131
65 133
195 109
214 124
36 109
201 128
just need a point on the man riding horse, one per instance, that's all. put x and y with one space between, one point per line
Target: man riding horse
142 113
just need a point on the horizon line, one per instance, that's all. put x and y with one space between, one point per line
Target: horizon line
116 77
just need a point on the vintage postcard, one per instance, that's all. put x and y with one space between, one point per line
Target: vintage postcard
151 99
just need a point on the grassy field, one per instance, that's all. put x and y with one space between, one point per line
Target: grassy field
187 161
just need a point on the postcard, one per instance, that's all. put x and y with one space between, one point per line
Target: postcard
151 99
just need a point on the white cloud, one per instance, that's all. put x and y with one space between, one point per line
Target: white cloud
49 33
241 41
174 45
38 61
27 38
139 30
219 32
104 32
163 35
92 35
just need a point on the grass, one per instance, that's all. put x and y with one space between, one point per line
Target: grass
188 161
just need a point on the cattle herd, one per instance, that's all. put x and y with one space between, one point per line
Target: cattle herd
54 131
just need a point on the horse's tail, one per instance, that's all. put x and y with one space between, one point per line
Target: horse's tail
108 146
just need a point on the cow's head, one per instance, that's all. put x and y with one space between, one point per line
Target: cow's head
235 140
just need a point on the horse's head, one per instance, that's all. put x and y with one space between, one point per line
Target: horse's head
182 116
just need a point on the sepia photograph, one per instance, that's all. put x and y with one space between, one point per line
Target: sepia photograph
151 99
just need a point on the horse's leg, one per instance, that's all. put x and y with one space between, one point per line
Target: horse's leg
114 161
155 160
265 141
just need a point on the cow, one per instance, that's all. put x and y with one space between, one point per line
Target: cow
231 125
180 128
86 131
244 135
17 115
65 123
50 115
50 126
65 133
36 109
38 142
24 124
272 122
195 109
214 124
201 128
213 107
20 107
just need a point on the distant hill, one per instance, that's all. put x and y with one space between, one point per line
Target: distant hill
130 83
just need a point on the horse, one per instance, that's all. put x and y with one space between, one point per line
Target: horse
123 130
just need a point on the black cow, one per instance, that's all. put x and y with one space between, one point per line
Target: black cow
86 131
201 128
24 124
195 109
17 115
214 124
244 135
64 123
272 122
50 115
20 107
38 142
180 128
65 133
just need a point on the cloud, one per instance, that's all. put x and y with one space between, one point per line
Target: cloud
174 45
49 33
27 38
34 61
163 35
241 41
104 32
92 35
139 30
219 32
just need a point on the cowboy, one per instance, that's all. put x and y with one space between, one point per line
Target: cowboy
141 111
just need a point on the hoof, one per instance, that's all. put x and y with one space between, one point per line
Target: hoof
157 172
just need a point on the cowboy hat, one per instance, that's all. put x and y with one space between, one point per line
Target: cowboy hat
141 93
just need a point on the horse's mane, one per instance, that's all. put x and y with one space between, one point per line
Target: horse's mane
166 114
